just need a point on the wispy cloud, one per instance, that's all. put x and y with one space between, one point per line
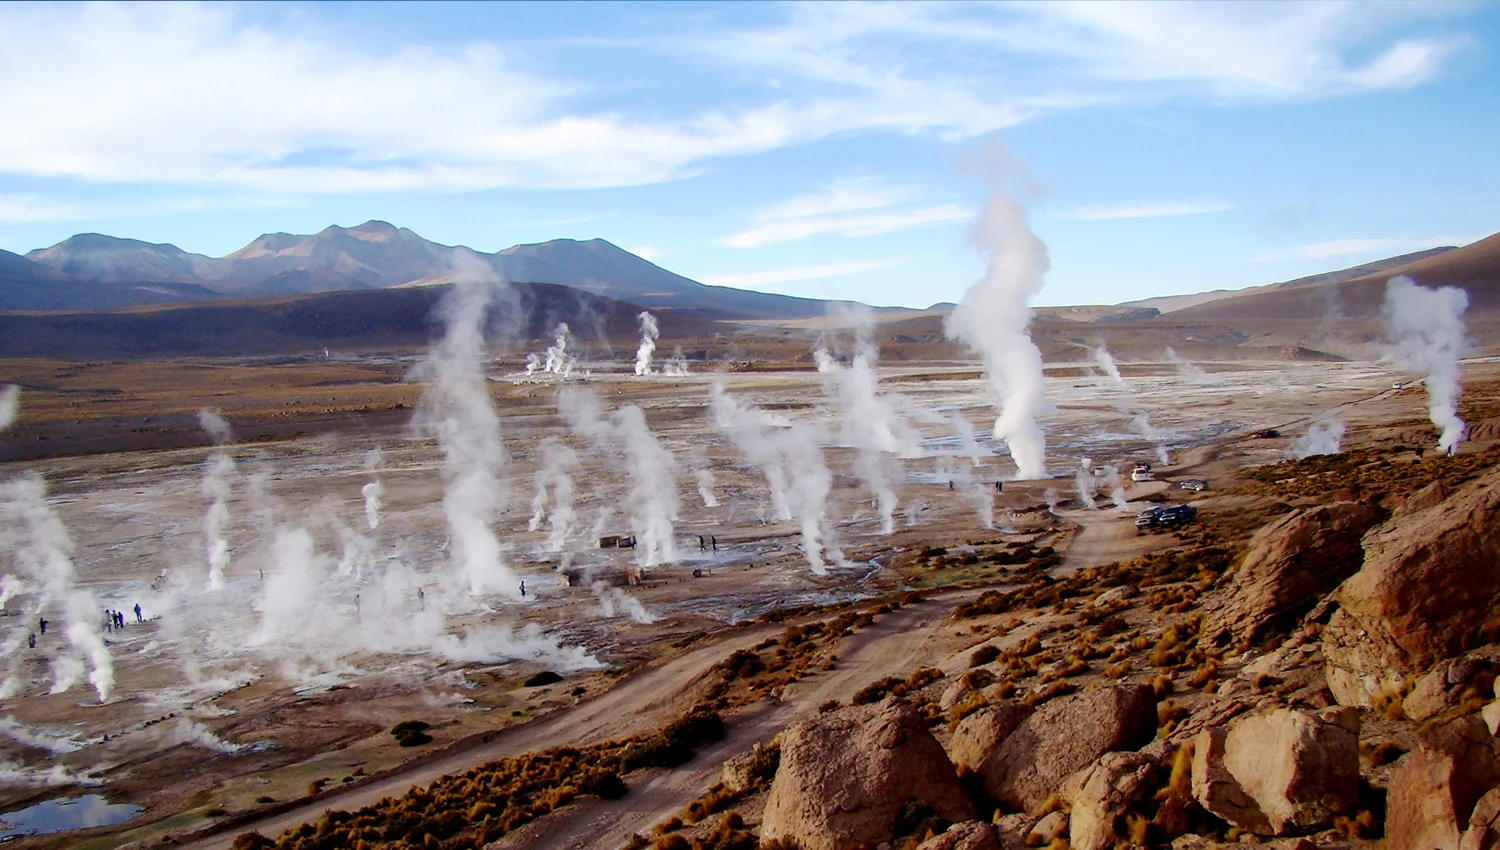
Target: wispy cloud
848 208
1143 209
223 96
33 209
765 278
557 222
1351 247
646 252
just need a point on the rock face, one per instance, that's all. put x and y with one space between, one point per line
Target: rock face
1290 565
1103 793
969 835
1280 771
846 775
979 736
1434 789
1063 737
1445 686
1484 824
1430 582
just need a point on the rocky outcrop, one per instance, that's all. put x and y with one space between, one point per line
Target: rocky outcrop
1447 684
1101 795
1484 824
1430 582
1063 737
969 835
1013 829
1048 830
1289 566
846 775
978 737
1434 789
1281 771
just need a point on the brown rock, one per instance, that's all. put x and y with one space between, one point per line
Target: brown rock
1423 499
739 771
1484 824
1012 829
969 835
1280 771
1443 686
1105 791
1430 581
846 775
1289 566
966 684
1491 716
1434 789
1063 737
1048 829
978 737
1119 593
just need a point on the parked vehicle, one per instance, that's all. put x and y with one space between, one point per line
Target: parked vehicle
1197 485
1165 516
1265 434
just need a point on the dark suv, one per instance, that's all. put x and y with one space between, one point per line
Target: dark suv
1166 517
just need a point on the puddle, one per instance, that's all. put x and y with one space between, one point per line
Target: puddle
69 813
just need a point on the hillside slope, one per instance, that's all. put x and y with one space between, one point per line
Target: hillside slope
387 319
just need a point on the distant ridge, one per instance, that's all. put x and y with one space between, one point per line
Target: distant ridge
380 255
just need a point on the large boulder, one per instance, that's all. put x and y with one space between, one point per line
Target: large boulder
1448 684
978 737
1484 824
846 775
1430 582
1434 789
1289 566
1063 737
1102 795
1281 771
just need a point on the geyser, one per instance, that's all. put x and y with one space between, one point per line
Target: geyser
1427 335
994 317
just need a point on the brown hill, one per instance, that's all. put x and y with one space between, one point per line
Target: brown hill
1475 268
382 319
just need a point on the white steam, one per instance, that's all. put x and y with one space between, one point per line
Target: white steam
705 478
869 421
372 491
42 551
993 318
1323 438
649 333
218 472
790 457
456 409
10 404
613 600
554 485
652 469
1083 479
1426 328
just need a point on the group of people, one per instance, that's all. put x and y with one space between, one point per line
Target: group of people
115 620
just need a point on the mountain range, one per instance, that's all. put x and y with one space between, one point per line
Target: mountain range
93 271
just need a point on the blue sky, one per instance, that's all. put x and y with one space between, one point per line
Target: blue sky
825 150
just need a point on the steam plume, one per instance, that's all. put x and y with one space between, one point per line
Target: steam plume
791 459
43 551
1323 438
217 473
373 491
649 333
993 318
705 478
1083 479
556 476
653 491
10 403
456 409
1427 333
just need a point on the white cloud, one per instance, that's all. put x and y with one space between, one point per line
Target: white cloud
849 208
211 96
33 209
765 278
1143 209
1389 246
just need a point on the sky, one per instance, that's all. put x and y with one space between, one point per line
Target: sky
824 150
